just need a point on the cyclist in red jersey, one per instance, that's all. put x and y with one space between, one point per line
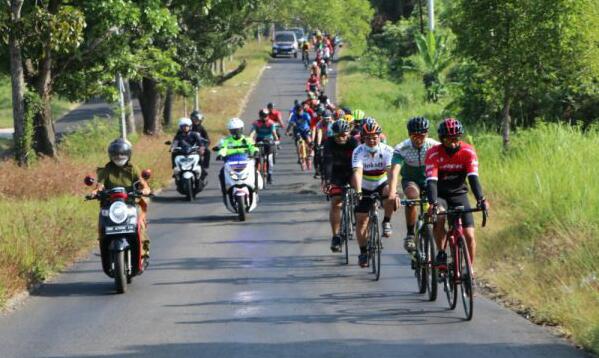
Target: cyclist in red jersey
313 83
447 167
277 117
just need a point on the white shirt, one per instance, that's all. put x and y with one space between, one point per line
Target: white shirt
374 165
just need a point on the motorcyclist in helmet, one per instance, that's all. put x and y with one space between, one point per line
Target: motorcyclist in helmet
197 120
121 172
235 143
185 137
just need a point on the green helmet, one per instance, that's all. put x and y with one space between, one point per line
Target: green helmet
358 114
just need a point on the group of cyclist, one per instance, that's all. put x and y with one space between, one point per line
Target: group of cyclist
355 156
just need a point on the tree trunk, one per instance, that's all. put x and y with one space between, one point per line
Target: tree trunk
45 135
18 86
221 66
168 107
150 100
129 111
506 120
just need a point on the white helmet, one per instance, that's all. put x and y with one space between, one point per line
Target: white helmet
235 123
184 122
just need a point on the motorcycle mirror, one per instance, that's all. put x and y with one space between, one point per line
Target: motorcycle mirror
168 142
89 180
146 174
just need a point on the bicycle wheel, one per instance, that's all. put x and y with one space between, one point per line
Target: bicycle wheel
429 256
418 260
379 250
466 282
450 279
371 253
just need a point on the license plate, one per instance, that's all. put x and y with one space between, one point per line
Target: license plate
121 229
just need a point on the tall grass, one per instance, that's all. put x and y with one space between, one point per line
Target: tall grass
541 247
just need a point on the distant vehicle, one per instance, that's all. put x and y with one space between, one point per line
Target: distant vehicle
285 43
299 34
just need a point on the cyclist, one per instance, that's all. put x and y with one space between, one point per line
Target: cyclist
323 131
408 162
197 119
235 143
447 167
264 131
305 49
277 117
313 83
315 69
371 163
299 123
356 125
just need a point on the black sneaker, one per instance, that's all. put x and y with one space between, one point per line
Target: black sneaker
441 260
336 244
363 260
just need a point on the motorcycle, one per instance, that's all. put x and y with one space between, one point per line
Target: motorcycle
188 170
242 183
120 236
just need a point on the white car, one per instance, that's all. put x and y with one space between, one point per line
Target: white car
285 43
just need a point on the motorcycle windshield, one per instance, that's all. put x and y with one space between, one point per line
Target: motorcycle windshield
239 157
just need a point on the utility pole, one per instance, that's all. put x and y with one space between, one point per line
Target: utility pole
431 15
121 87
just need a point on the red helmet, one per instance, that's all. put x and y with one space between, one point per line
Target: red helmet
371 127
450 127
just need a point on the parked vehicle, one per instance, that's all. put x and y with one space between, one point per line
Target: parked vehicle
285 43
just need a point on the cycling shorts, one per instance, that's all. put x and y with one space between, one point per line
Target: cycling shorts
306 134
406 183
366 202
458 200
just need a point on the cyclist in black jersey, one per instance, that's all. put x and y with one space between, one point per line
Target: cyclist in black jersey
337 172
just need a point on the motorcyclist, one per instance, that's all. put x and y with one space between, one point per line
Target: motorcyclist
185 137
121 172
235 143
197 119
264 130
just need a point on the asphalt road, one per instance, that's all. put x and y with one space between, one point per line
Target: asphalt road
268 287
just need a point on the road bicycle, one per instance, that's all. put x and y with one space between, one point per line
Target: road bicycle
264 159
348 219
422 258
374 245
458 271
303 153
305 58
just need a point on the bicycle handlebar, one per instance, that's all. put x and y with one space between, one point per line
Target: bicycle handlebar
465 211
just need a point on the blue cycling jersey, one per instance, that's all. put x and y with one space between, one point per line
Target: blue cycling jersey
302 123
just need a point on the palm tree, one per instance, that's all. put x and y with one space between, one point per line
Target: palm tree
434 58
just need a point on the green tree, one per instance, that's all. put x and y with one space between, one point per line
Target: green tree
433 60
526 50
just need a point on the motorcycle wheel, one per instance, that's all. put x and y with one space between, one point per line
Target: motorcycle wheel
189 189
120 274
241 209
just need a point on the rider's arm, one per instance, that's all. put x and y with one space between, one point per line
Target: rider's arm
357 166
477 189
432 175
472 172
327 155
393 180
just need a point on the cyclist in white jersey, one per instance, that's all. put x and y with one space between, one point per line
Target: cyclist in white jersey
371 163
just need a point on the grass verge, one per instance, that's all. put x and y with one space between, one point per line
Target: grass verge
540 250
47 224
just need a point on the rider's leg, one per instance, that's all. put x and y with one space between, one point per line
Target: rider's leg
335 214
412 192
221 179
389 206
361 228
471 241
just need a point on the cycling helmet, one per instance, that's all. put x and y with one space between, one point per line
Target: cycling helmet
119 151
358 114
418 125
263 113
339 114
340 126
347 110
196 115
370 127
450 127
298 108
312 95
270 106
327 114
184 122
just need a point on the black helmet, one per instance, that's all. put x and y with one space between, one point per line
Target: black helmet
119 151
196 115
320 110
418 125
340 126
263 113
450 127
270 105
297 108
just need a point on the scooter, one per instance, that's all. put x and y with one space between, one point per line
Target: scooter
120 236
241 185
188 170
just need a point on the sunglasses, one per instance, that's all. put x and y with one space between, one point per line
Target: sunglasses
450 139
371 137
418 135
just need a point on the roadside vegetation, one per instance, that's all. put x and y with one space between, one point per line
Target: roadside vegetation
46 223
540 250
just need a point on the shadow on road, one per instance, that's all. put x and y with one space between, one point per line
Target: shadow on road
75 289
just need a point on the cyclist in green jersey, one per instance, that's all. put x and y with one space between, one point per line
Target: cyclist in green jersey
408 162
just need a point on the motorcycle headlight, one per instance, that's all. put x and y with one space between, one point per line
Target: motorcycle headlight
233 175
118 212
